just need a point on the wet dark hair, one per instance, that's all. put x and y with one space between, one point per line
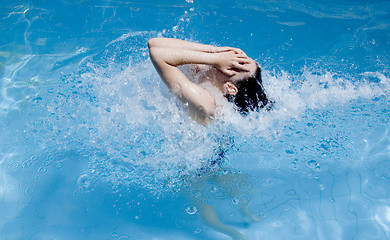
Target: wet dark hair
250 95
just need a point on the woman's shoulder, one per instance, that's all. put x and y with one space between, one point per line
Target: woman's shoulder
195 72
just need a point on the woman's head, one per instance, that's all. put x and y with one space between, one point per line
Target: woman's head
249 94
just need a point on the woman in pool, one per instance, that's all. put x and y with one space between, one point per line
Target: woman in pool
218 73
228 72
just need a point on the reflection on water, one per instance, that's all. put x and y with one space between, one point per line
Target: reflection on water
224 185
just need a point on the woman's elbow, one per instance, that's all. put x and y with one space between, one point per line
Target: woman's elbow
154 52
152 42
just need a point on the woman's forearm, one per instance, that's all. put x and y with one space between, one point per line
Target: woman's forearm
181 56
177 43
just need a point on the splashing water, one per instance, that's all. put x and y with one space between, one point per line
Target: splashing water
97 112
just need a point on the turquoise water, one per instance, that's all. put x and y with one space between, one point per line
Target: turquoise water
93 145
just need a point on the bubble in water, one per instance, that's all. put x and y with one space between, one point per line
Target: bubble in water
42 170
29 190
191 210
47 162
198 230
312 163
291 192
294 164
13 165
241 201
83 182
27 163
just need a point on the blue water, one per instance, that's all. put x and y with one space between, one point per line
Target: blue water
93 145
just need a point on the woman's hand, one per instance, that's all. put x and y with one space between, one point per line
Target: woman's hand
227 49
230 62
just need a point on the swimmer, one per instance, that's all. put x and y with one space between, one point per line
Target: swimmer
230 72
221 74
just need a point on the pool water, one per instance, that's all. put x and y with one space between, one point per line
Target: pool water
94 146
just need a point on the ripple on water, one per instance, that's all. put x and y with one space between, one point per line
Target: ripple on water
244 185
220 192
29 190
182 222
15 94
84 182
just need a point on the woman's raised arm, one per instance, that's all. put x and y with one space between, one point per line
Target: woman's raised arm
178 43
167 54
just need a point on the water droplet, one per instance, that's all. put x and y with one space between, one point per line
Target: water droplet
293 165
42 170
191 210
198 230
241 201
312 163
83 182
13 165
29 190
291 192
47 162
27 163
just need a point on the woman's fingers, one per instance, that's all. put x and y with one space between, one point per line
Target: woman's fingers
243 60
242 67
229 72
227 49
